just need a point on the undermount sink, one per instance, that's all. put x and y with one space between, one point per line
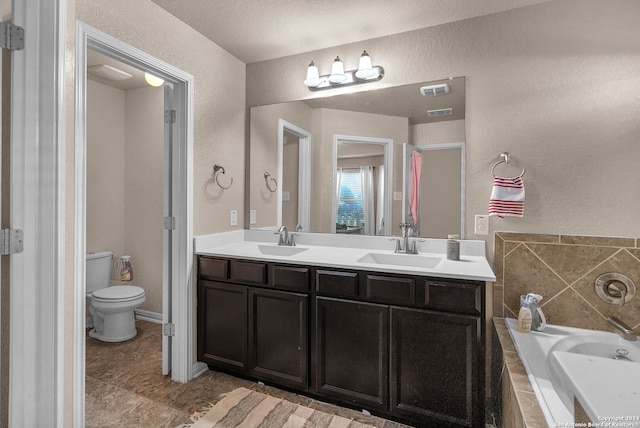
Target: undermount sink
600 345
407 260
280 250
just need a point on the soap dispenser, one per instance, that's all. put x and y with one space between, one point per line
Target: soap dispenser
524 317
126 270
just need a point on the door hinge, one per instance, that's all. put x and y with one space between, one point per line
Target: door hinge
11 37
11 241
169 329
169 116
169 223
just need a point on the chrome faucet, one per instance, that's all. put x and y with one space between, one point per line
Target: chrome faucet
622 329
286 239
405 246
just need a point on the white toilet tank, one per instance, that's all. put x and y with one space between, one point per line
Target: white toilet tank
98 270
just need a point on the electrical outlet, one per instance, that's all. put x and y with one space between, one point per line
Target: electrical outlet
234 218
482 224
252 217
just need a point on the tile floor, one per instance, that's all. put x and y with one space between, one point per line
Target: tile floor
125 387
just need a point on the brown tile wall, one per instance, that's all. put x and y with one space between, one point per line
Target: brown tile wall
563 270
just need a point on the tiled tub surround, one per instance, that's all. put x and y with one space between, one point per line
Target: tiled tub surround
563 270
517 405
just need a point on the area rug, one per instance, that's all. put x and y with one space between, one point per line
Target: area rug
244 408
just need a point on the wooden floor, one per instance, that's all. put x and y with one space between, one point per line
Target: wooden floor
125 387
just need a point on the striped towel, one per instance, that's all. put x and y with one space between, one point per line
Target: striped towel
507 197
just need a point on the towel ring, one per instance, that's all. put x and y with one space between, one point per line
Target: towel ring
505 159
268 176
216 170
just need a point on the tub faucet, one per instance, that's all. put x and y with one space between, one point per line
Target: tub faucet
622 329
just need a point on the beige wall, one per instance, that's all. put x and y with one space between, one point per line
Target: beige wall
124 181
105 151
450 131
264 154
143 191
553 84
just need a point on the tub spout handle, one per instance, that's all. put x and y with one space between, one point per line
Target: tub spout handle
622 329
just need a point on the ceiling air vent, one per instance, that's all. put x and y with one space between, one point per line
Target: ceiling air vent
433 90
440 112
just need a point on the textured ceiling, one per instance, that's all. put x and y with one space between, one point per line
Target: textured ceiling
257 30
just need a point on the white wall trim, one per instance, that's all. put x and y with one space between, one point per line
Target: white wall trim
304 173
387 143
154 317
199 368
36 353
182 243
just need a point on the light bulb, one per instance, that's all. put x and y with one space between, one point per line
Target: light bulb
153 80
337 71
313 76
365 69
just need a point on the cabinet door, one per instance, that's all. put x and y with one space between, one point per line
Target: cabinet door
351 351
278 337
222 332
437 375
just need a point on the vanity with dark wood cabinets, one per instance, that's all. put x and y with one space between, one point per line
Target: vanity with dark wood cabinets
406 347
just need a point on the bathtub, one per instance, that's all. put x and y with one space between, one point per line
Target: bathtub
581 366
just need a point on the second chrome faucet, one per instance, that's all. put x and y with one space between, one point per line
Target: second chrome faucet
405 246
286 239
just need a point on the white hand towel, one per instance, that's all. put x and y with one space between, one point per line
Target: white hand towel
507 197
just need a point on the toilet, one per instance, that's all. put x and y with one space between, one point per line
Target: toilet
111 308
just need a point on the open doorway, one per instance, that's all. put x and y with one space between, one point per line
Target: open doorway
155 177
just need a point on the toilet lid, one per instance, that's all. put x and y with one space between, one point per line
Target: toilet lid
118 292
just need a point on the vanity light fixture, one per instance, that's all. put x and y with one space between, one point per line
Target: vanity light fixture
366 72
153 80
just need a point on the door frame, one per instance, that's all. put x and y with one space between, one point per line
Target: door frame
304 173
387 144
37 278
181 306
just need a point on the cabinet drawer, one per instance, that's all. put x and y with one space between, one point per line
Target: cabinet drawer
289 277
388 289
337 283
248 272
455 296
209 268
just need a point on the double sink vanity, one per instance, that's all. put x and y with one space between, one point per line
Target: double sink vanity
349 321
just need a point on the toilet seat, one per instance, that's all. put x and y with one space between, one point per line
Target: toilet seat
118 293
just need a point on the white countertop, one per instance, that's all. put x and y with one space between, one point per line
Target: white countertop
340 251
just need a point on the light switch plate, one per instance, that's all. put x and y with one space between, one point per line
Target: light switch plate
482 224
234 218
252 217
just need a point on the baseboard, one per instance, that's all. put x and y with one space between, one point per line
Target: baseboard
155 317
198 368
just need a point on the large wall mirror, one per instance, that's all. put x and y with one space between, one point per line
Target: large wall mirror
339 164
